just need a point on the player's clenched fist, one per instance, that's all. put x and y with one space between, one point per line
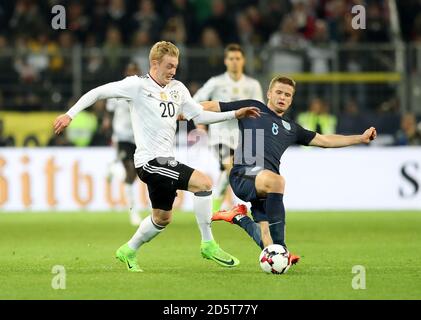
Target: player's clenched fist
61 122
369 135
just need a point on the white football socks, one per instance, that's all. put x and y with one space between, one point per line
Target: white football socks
202 205
147 230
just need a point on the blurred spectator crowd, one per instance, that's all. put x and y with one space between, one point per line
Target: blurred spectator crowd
37 66
110 23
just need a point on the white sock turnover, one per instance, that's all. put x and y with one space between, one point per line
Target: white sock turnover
202 204
147 230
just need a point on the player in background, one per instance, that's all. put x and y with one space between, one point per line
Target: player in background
123 140
157 101
255 176
232 85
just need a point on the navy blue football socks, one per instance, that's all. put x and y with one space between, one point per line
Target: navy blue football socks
251 227
275 211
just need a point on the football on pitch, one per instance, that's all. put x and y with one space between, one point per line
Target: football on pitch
274 259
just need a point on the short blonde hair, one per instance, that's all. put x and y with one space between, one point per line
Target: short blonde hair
162 48
282 79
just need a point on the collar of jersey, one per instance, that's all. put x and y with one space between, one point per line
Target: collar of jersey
275 115
232 80
162 87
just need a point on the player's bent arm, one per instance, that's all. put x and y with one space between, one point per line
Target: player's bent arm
211 106
338 141
193 110
217 106
209 117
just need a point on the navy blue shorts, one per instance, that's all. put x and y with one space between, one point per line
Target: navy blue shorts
242 181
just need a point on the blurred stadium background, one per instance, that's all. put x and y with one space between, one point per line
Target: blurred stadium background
366 76
347 78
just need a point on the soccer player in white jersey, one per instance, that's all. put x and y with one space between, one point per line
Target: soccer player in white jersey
157 100
230 86
123 139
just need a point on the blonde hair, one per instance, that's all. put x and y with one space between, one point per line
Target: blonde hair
282 79
162 48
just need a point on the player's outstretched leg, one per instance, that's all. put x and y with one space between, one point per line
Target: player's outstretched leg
128 256
201 185
209 248
147 230
275 211
238 215
229 215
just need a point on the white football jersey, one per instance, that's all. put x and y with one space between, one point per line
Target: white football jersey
223 88
122 124
153 111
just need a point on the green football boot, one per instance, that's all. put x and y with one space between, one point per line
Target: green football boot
128 256
211 250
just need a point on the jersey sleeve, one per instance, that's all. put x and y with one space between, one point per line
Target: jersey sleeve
126 88
189 107
235 105
205 92
111 104
304 136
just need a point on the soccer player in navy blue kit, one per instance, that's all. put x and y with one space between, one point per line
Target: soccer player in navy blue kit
255 176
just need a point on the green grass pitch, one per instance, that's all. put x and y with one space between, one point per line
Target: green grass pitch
387 244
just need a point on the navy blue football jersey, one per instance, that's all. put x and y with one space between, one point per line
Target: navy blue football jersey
263 141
